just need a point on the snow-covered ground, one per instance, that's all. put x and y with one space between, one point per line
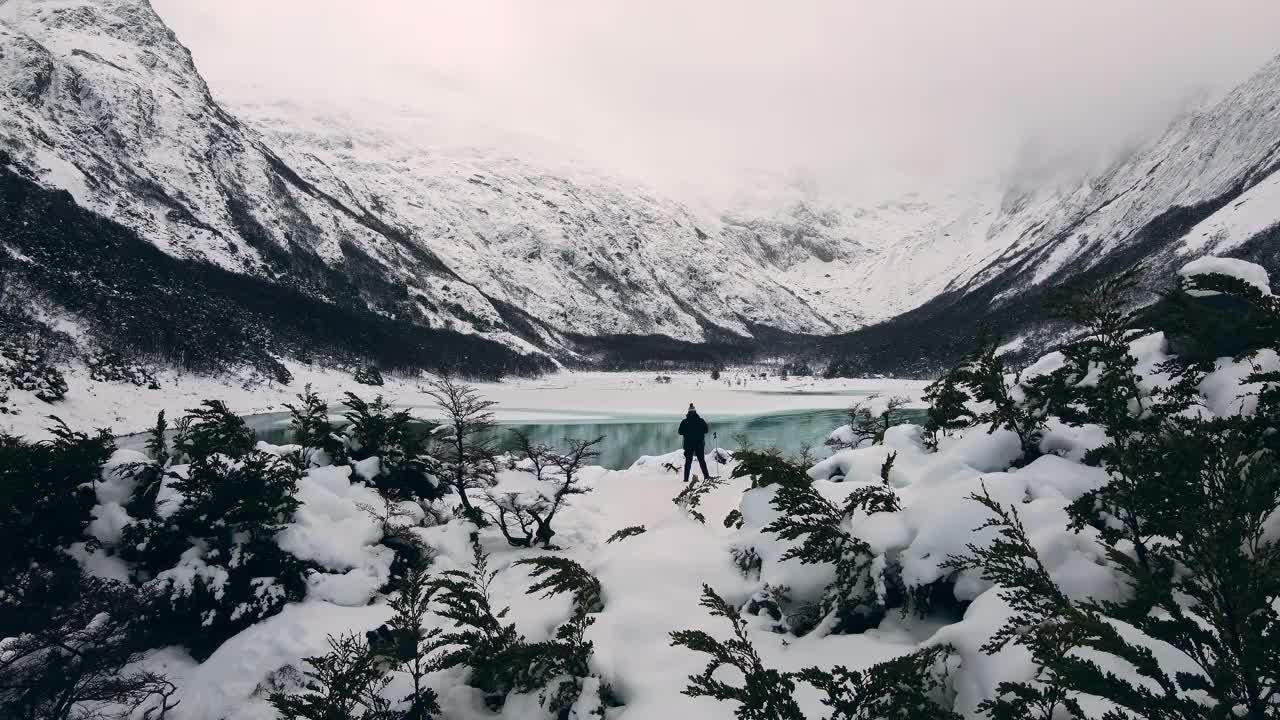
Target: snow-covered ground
563 396
652 581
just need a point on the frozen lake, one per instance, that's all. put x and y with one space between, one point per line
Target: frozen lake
638 415
629 437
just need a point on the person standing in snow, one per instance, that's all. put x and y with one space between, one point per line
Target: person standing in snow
694 431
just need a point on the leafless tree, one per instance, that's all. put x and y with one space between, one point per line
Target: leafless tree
462 455
525 519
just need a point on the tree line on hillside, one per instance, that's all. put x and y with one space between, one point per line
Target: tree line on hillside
144 304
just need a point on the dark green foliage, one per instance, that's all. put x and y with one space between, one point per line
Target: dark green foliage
112 366
25 365
374 430
80 660
1215 316
561 575
311 428
690 498
157 443
232 510
234 501
413 641
887 467
821 528
345 684
254 494
905 688
747 560
500 659
765 693
368 375
1183 518
768 467
566 657
626 532
1012 562
1209 591
149 476
982 376
46 494
462 457
481 639
525 519
948 408
1113 399
212 429
733 519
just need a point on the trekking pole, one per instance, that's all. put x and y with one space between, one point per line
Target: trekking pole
715 454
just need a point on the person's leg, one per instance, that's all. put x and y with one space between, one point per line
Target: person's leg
702 463
688 462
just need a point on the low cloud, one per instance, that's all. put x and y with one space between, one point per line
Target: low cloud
864 99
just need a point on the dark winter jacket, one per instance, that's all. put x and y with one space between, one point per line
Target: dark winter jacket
694 431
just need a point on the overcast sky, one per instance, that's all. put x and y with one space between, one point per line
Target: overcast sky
861 97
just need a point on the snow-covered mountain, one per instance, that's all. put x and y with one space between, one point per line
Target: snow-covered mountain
99 98
594 254
1209 185
102 100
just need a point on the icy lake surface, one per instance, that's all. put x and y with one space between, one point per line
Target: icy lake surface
638 416
626 438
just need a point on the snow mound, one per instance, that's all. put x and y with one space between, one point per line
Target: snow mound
1242 270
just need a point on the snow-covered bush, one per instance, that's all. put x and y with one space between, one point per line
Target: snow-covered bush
499 658
1184 520
909 686
869 419
368 375
211 429
228 571
948 409
27 366
207 546
626 532
310 427
46 498
81 660
858 594
976 392
386 450
112 366
690 497
348 682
